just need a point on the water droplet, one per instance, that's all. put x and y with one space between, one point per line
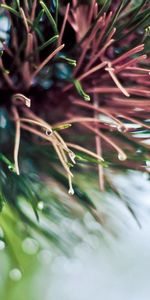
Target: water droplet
122 128
72 156
40 205
15 274
59 264
86 97
30 246
28 102
2 245
48 132
71 191
45 256
11 168
138 151
122 156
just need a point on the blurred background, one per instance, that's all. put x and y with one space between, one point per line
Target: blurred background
83 260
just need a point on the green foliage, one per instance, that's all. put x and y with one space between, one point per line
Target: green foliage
43 182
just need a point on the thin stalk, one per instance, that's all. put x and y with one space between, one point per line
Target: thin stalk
17 139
